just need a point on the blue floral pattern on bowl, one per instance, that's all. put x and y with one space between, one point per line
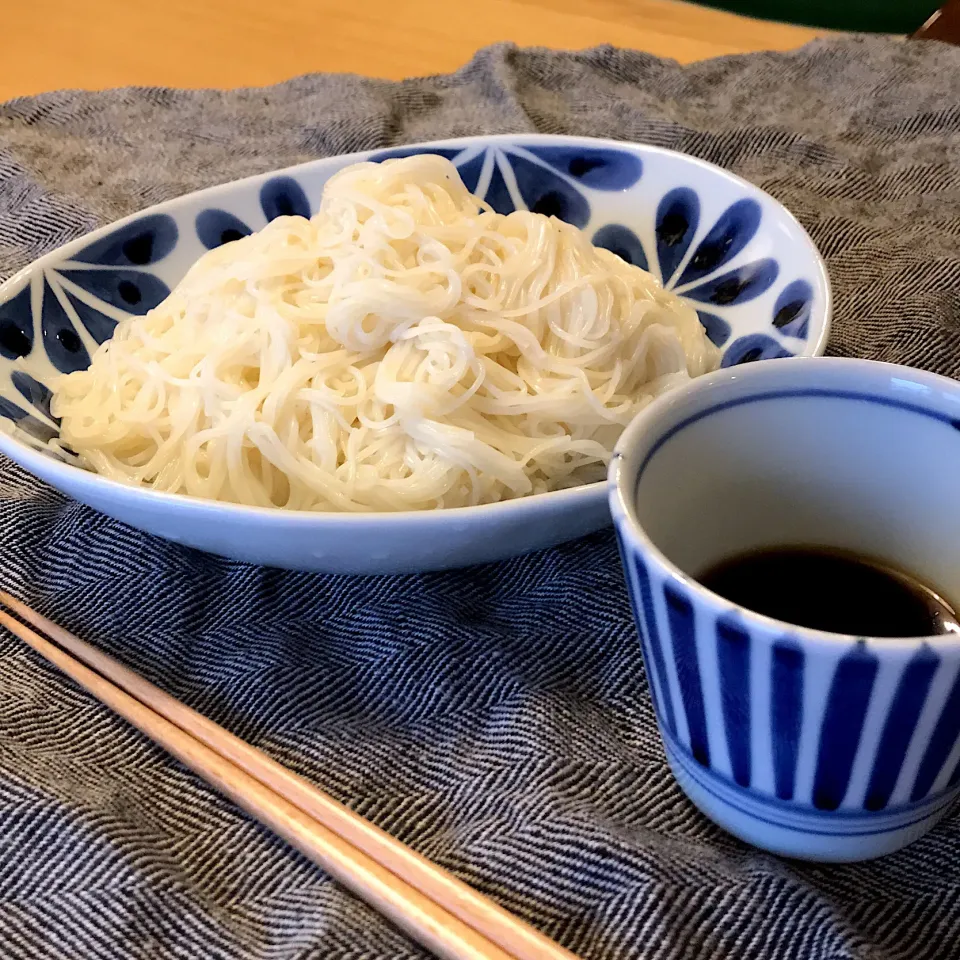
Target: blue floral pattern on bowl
652 208
558 181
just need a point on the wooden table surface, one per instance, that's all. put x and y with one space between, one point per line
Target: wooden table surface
50 44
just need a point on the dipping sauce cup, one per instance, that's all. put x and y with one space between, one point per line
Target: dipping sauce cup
810 744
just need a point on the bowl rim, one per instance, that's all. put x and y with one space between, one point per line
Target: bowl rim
46 467
627 523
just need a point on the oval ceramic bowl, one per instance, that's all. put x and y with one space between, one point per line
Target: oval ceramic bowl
726 247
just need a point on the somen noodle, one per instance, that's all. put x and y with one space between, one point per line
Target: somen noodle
406 348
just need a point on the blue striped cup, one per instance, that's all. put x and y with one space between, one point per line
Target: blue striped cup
809 744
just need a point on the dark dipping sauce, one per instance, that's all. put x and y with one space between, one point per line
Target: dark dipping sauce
831 591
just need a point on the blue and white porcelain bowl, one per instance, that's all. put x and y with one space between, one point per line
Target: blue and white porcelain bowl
809 744
728 248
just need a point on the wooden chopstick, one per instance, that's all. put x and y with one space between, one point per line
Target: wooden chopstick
427 902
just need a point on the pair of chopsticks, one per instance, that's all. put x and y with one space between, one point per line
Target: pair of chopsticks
432 906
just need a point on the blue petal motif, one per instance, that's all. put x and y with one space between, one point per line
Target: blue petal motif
98 325
34 392
791 312
471 170
398 153
498 196
595 167
677 219
217 227
11 411
718 330
16 325
129 290
542 190
623 242
736 286
61 341
734 229
28 423
754 346
545 192
283 197
144 241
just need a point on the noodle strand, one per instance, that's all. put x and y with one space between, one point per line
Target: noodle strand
407 348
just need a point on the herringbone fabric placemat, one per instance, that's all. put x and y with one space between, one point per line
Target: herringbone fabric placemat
495 718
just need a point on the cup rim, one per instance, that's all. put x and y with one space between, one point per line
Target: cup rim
643 424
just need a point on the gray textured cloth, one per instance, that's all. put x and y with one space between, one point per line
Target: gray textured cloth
497 719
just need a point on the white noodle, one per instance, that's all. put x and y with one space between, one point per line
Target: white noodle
406 348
